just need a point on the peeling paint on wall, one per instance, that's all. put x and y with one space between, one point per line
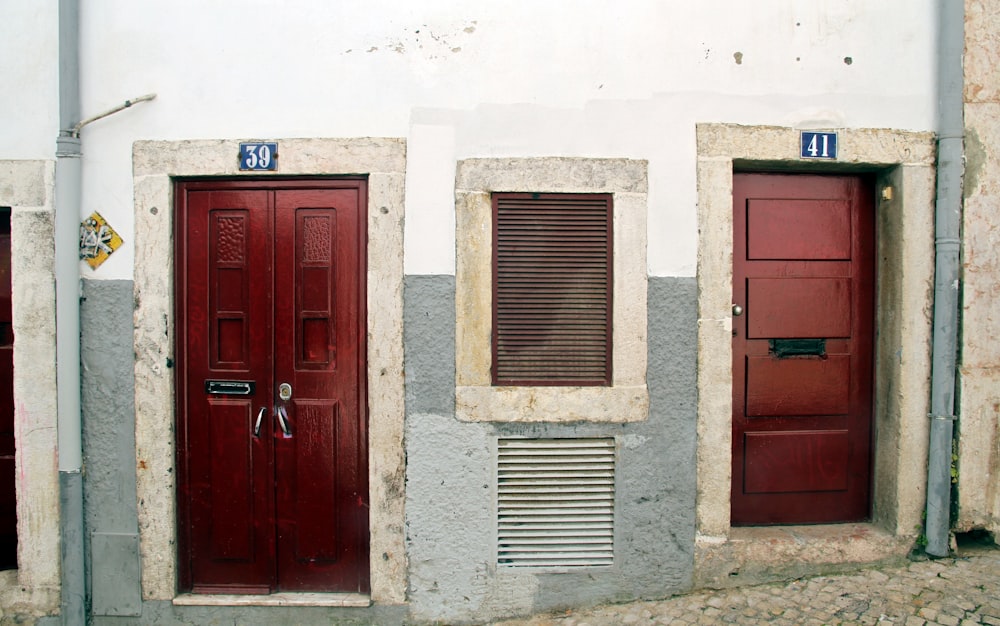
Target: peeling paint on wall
975 159
427 40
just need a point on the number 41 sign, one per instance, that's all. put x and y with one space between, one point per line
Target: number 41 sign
258 156
818 145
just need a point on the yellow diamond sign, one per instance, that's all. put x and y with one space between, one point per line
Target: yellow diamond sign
97 240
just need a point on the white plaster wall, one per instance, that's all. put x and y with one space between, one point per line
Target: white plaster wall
29 106
590 78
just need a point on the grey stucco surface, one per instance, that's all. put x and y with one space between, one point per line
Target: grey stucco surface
429 344
110 487
451 466
107 404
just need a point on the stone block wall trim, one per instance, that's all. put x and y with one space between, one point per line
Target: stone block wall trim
28 188
627 399
155 163
978 428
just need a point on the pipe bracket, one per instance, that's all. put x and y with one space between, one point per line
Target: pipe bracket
949 418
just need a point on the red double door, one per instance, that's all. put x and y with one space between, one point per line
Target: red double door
271 399
8 498
803 290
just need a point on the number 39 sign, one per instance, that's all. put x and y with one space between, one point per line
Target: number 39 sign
258 156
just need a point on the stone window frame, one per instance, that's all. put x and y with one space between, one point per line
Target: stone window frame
28 188
477 400
903 161
155 166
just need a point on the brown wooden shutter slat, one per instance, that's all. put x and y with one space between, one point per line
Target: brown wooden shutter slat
552 289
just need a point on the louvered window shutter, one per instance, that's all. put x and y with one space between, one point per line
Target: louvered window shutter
552 271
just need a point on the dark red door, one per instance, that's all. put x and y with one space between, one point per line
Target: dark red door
8 505
803 289
272 419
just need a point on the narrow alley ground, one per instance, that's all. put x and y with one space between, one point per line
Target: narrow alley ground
959 591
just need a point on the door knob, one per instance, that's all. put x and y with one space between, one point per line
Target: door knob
284 394
737 310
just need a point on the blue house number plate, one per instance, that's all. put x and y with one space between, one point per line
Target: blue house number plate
819 145
258 156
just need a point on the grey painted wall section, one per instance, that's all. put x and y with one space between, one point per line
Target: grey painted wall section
113 566
450 492
107 404
72 593
429 344
450 495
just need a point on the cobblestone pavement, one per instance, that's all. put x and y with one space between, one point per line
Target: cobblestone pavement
957 591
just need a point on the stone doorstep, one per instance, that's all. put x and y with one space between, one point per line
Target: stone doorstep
347 600
753 555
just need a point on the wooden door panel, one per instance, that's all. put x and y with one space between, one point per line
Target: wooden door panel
229 295
797 386
8 497
798 308
803 271
226 471
803 461
322 521
822 230
230 479
316 287
317 508
8 514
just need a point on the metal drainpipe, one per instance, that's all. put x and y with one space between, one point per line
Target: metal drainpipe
947 244
67 275
68 191
68 187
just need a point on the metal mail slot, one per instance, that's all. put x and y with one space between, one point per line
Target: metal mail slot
782 348
230 387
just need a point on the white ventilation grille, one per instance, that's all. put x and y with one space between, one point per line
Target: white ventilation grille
556 502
